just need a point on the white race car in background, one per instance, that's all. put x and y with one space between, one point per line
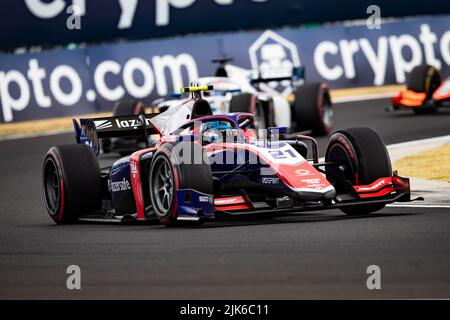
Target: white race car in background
307 108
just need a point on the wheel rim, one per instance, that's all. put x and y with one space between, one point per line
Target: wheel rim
328 114
338 154
52 187
162 186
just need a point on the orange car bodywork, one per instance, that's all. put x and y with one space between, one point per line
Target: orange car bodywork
409 98
412 99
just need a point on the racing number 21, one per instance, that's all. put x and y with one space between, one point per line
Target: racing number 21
282 154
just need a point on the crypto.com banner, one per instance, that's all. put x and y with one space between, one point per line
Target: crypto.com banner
27 22
69 82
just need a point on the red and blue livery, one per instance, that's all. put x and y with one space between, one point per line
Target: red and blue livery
197 166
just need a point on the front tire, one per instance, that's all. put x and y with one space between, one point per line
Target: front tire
365 158
71 182
169 173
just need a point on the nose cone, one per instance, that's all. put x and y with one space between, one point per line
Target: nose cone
316 195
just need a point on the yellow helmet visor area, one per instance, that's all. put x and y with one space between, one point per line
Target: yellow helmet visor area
196 89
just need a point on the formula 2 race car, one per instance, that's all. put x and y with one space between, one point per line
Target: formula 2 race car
424 93
204 166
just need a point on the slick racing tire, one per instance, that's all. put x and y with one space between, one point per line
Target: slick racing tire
123 108
126 108
71 182
313 109
424 78
168 174
246 102
365 159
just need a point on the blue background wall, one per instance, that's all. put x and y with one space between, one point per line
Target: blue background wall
199 49
101 18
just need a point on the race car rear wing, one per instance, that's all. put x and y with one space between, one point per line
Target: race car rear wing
89 131
298 74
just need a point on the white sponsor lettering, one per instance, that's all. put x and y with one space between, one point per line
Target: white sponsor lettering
36 75
205 199
48 10
303 172
334 61
133 168
175 66
270 180
10 103
348 49
113 80
131 123
65 71
45 9
428 40
372 187
324 48
312 181
401 65
128 9
220 202
378 60
284 155
105 67
141 66
122 185
163 9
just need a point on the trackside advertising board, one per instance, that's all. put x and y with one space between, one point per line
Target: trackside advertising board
27 22
69 82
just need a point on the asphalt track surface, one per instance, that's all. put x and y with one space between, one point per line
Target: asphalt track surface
308 255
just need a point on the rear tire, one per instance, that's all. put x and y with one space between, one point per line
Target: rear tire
246 102
365 157
71 182
123 108
168 174
127 108
424 78
313 109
